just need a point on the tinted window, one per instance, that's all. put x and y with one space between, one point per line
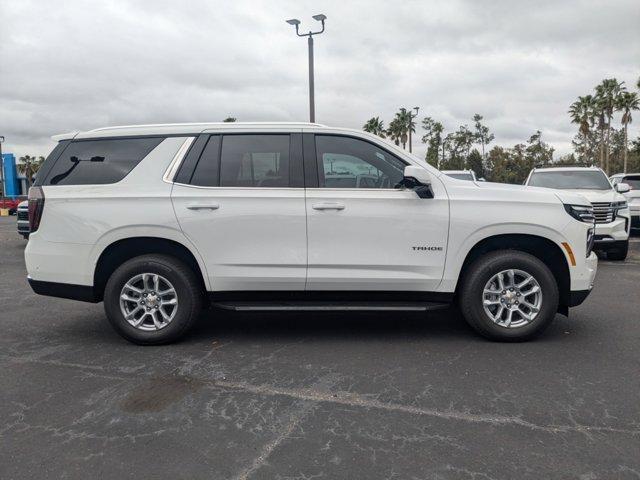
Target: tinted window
99 161
255 161
207 170
633 181
580 180
345 162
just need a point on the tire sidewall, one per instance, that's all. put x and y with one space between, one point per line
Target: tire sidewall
167 269
481 273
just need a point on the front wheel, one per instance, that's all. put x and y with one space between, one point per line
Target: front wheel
509 296
152 299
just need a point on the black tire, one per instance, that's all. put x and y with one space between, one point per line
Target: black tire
619 252
188 289
482 270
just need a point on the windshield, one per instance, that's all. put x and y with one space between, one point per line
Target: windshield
460 176
579 180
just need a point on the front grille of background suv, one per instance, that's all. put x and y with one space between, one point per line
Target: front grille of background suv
603 212
23 215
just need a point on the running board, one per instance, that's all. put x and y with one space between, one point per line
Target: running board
331 306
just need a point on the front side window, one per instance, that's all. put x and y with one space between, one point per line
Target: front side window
254 161
93 162
571 180
345 162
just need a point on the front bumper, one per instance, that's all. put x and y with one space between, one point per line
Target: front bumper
618 230
23 227
581 288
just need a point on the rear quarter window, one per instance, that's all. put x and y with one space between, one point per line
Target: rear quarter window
94 162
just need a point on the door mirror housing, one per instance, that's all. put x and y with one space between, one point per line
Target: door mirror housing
621 187
418 179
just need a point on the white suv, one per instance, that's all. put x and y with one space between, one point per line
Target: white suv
629 185
159 221
613 221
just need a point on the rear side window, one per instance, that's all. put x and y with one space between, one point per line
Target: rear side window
90 162
254 161
207 171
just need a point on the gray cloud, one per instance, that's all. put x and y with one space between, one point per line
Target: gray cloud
77 65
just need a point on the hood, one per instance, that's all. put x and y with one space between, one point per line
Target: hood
572 197
598 196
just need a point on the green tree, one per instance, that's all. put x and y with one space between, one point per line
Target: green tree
538 152
626 103
607 94
482 134
395 131
230 120
583 113
433 139
29 166
475 162
405 123
376 126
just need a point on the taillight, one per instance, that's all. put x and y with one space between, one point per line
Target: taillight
36 206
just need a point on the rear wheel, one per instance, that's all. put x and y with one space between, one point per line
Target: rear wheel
509 296
153 299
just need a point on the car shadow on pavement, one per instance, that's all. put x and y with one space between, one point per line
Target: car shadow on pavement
446 324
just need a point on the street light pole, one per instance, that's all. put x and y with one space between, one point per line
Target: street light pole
294 21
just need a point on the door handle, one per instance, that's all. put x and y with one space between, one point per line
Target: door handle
203 206
328 206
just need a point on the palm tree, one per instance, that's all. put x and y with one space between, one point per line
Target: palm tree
582 113
376 126
627 102
607 94
29 166
395 131
405 124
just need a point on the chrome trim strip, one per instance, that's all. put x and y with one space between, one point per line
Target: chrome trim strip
172 169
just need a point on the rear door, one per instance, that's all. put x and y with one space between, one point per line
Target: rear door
240 200
364 233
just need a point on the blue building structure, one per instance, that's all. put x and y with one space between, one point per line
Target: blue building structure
12 184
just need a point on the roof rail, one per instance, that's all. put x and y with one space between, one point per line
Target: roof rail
559 164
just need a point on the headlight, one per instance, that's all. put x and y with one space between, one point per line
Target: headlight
619 205
582 213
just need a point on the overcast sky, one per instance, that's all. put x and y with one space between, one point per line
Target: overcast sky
77 65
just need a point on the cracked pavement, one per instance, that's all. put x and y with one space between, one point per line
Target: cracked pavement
300 396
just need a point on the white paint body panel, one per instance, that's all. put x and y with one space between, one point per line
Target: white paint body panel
273 239
255 240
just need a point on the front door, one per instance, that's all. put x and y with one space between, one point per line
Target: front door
243 207
365 233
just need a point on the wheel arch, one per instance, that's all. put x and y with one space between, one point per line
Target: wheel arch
119 251
549 252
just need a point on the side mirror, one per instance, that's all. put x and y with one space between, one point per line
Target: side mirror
418 180
622 187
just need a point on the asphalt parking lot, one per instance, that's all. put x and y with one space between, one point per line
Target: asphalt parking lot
301 396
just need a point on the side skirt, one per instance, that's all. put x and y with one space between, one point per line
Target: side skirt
329 301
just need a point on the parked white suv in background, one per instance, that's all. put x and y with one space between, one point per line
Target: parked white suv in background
159 221
632 195
611 211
